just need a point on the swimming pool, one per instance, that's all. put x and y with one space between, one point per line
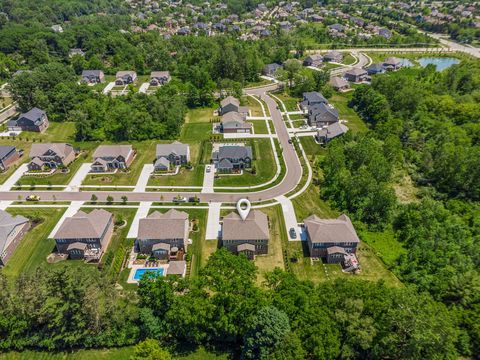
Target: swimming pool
140 272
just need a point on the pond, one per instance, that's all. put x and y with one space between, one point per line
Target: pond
441 63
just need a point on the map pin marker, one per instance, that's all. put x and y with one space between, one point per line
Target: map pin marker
243 208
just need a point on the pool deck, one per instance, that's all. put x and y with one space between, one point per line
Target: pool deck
134 268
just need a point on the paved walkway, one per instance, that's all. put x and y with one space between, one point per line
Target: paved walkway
13 179
143 178
74 184
213 222
108 88
142 212
5 204
290 218
72 210
144 87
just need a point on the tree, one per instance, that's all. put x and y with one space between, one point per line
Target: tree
268 328
124 199
150 349
94 198
109 199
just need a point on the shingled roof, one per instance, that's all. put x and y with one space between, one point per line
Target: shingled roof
7 224
107 151
339 230
171 225
61 149
84 226
254 227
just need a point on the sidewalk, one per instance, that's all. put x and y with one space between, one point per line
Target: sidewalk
13 179
213 222
108 88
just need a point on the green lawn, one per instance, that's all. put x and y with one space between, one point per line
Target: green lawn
195 132
383 244
348 59
253 105
35 247
200 115
145 155
259 127
340 101
264 163
309 203
289 101
311 147
56 132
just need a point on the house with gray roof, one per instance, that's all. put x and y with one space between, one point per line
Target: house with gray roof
231 158
330 132
85 235
311 99
35 120
271 69
232 104
125 77
50 155
330 239
333 56
93 76
249 236
375 69
392 64
234 122
12 231
8 156
112 157
158 78
174 154
315 60
339 84
322 115
356 75
164 236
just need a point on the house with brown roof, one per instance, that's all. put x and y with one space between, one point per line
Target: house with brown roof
12 231
85 235
164 236
356 75
125 77
339 84
249 236
50 155
315 60
392 64
8 156
158 78
112 157
331 239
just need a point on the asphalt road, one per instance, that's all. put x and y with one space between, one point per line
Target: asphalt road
289 182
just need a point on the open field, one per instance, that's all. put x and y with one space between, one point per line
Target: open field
33 250
383 244
311 147
340 101
254 106
260 126
200 115
264 163
195 132
290 102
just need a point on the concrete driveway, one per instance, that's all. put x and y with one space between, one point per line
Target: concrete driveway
74 184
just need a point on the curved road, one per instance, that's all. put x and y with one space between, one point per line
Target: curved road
289 182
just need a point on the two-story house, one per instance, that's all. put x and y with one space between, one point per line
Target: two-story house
159 78
8 156
12 231
232 104
231 158
234 122
331 239
50 156
164 236
249 236
85 235
125 77
311 99
174 154
322 115
93 76
111 157
35 120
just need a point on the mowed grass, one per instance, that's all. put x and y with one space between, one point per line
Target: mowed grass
311 147
253 105
309 203
259 127
195 132
340 101
200 115
33 250
291 103
383 244
145 155
264 163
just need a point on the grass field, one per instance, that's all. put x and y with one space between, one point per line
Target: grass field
311 147
254 106
354 123
195 132
290 102
260 127
264 163
383 244
33 250
200 115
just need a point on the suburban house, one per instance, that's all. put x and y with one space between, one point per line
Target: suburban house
159 78
34 120
339 84
331 239
173 154
392 64
111 157
333 56
315 60
231 104
271 69
311 99
249 236
164 236
93 76
321 115
233 158
12 231
330 132
51 156
85 236
375 69
234 122
8 156
356 75
125 77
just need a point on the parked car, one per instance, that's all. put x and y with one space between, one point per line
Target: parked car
293 233
179 199
33 198
194 199
209 168
290 141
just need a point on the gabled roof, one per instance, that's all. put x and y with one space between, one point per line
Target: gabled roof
225 164
313 97
124 73
160 74
339 230
337 82
33 115
232 116
164 162
88 73
356 72
229 100
333 130
245 247
234 152
61 149
323 110
157 226
5 150
176 147
254 227
84 226
112 151
7 224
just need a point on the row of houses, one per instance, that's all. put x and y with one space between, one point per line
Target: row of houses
157 78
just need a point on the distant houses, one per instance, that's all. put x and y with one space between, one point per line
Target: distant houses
356 75
108 158
233 158
339 84
375 69
331 239
50 156
12 231
249 237
93 76
271 69
333 56
330 132
8 156
85 235
392 64
163 236
174 154
158 78
125 77
315 60
35 120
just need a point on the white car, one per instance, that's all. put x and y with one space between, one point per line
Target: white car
209 168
